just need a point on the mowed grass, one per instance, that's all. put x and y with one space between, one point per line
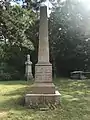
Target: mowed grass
75 101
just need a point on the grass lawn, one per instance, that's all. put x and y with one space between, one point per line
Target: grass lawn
75 101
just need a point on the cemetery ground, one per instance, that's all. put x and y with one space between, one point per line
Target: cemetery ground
75 101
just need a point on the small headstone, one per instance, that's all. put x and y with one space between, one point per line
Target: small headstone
28 69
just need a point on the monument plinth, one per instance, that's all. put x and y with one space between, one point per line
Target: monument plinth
43 90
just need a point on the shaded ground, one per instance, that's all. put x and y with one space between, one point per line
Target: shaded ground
75 101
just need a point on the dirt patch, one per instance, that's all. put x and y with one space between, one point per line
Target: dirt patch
3 114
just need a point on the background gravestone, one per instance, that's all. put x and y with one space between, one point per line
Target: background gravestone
28 68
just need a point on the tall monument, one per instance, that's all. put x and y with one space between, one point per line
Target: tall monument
43 90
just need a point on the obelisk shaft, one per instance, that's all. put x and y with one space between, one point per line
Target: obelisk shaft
43 69
43 90
43 55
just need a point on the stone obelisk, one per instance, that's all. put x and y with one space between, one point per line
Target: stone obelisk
43 70
43 90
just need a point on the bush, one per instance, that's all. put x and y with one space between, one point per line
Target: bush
16 75
5 76
8 72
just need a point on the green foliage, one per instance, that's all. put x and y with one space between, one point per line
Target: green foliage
67 33
14 41
16 21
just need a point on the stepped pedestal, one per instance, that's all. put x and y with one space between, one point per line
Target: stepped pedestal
43 89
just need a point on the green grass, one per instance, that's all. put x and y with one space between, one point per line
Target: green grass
75 101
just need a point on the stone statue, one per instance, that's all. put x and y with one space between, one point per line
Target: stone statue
28 68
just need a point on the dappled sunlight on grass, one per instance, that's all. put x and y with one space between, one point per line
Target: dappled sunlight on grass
75 101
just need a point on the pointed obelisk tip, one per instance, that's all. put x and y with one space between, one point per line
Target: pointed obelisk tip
43 11
43 4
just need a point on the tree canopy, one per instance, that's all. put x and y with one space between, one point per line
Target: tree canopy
69 34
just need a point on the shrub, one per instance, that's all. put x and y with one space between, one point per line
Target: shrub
5 76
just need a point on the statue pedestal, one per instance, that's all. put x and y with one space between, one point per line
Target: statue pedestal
43 90
36 99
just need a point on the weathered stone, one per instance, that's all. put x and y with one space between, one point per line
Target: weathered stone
36 99
43 53
43 90
28 69
43 72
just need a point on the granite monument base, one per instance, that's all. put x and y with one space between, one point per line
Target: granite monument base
42 88
36 99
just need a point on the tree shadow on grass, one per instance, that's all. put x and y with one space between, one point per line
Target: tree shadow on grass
13 104
18 82
73 85
71 92
18 91
14 99
70 106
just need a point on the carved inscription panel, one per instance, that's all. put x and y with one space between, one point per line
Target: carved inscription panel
43 73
